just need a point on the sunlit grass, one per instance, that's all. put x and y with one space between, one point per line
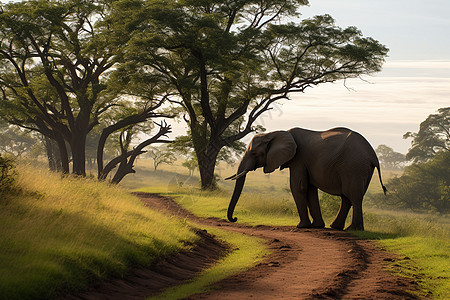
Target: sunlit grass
252 209
247 252
424 239
59 235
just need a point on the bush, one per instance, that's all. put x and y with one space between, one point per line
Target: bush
7 174
329 205
422 187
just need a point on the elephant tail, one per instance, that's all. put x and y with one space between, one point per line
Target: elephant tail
379 176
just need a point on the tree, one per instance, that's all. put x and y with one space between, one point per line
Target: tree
59 40
161 155
7 174
423 186
56 58
15 141
389 158
433 136
229 61
191 164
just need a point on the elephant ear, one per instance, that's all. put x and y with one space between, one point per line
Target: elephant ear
281 149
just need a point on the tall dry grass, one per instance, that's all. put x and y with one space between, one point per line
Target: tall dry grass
59 235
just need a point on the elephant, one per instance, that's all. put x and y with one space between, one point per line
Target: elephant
338 161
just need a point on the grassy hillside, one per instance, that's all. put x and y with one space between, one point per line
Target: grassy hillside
60 234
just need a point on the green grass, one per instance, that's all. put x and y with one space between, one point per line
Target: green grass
252 209
59 235
247 252
424 239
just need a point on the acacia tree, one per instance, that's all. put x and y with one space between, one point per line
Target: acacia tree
56 57
229 61
390 159
56 39
161 155
433 136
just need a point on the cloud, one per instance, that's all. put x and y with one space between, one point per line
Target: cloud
417 64
382 111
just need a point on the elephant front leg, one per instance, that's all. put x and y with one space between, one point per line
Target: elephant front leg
314 207
299 191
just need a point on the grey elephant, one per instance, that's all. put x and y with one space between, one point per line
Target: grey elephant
338 161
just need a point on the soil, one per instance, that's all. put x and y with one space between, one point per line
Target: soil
303 264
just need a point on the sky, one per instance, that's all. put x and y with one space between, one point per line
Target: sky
414 82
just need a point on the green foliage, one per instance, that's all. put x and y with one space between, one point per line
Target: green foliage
329 205
423 186
191 164
161 155
55 78
7 174
18 142
433 136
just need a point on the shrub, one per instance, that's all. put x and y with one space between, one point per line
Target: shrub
329 205
422 187
7 174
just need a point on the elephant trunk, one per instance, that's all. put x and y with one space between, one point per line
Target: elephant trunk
244 167
234 199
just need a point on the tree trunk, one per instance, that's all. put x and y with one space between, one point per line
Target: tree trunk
63 155
51 154
206 166
124 169
78 146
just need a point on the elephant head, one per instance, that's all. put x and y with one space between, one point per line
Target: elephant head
270 151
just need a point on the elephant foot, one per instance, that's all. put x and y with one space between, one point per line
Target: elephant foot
355 227
320 224
336 226
303 224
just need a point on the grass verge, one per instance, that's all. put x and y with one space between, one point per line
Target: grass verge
248 251
424 241
59 235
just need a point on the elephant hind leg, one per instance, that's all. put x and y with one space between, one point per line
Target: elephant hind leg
339 221
357 218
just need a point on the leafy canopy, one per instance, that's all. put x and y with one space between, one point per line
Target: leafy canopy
433 136
227 62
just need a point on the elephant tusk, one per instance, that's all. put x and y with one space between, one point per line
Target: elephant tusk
231 177
242 174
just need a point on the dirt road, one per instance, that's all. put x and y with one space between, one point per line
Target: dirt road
315 263
303 264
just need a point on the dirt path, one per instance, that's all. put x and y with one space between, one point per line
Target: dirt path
304 264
